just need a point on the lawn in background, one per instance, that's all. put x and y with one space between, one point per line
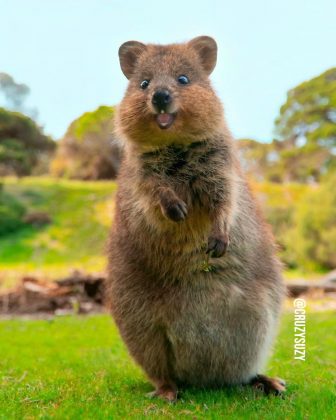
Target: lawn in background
71 368
81 214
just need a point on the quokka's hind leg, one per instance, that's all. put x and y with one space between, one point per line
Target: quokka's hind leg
269 385
153 353
157 367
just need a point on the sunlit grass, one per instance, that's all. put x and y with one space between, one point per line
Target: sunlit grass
71 368
81 213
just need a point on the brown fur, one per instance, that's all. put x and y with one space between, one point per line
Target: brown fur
187 317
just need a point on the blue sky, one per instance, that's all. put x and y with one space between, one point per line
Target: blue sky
66 51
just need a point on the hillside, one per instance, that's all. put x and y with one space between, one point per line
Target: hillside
80 213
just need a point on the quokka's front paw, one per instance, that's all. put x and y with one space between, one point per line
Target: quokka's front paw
175 210
217 245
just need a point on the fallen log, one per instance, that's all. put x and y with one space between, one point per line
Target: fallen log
299 288
80 293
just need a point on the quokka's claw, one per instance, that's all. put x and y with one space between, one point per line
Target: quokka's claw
176 211
217 246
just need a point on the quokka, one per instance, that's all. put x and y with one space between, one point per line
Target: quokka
194 284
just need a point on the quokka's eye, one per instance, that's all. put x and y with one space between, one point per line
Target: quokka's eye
144 84
183 80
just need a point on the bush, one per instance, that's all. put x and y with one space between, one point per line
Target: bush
279 202
11 213
312 240
22 144
89 149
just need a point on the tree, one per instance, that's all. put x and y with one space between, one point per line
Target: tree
254 157
15 95
307 122
89 150
23 146
264 161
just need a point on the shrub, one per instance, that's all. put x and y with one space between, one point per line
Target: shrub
22 144
88 149
11 213
312 239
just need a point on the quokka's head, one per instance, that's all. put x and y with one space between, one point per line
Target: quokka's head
169 98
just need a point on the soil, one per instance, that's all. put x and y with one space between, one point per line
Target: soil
78 293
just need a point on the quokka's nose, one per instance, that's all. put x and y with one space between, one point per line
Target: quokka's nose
161 99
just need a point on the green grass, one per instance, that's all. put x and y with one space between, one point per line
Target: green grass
81 214
71 368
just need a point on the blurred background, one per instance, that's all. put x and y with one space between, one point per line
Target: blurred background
60 81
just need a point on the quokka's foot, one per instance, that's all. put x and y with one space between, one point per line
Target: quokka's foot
275 386
165 392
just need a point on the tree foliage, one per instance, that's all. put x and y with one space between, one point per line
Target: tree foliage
275 161
89 150
305 147
312 240
254 157
15 95
23 146
307 122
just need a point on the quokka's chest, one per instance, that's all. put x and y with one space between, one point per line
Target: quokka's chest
198 170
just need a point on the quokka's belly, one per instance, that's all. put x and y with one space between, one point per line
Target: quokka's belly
220 338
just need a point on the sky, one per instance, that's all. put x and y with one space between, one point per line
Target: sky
66 51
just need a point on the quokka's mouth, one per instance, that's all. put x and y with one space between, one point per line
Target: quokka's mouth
165 120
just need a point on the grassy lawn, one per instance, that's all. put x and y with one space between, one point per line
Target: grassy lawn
78 368
81 213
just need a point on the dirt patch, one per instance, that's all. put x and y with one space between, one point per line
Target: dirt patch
78 293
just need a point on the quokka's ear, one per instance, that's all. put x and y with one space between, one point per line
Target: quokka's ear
129 52
206 48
